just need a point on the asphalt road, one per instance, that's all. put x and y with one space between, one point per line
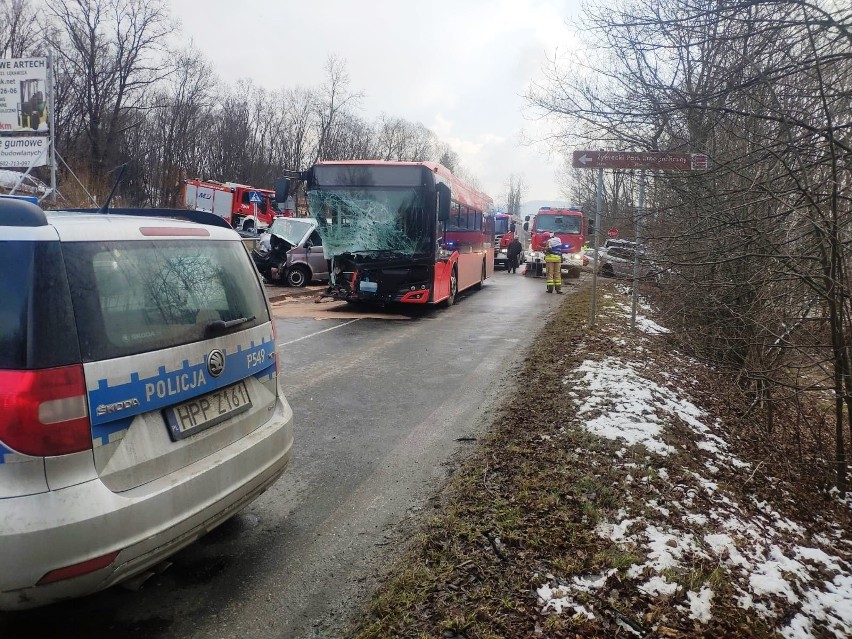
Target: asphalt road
383 401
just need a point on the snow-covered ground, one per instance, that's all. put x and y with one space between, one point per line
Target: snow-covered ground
795 581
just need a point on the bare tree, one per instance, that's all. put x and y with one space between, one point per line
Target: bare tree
447 157
107 57
515 194
756 247
173 141
334 100
19 29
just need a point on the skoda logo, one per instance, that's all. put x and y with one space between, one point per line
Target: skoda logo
216 362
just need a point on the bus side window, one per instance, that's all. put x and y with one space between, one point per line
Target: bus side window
457 220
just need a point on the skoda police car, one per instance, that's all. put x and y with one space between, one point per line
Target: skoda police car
139 397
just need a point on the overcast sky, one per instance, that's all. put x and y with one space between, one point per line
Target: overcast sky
460 67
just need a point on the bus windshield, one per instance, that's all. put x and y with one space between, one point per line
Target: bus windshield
572 224
372 220
501 225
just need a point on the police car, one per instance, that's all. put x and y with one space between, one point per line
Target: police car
139 397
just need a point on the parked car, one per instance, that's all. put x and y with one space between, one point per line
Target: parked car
140 394
618 256
291 252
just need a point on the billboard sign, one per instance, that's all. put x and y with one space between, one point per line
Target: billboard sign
23 95
24 112
651 160
19 151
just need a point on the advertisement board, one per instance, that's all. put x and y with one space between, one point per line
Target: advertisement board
21 151
23 95
24 112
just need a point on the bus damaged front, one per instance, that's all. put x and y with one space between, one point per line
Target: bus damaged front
380 240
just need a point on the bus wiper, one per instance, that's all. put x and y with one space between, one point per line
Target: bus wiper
218 326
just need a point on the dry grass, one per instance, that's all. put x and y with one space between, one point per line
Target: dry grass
523 508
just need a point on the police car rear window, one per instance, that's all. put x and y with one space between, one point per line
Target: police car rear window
138 296
36 322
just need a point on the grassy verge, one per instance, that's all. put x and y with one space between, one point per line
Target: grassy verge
524 511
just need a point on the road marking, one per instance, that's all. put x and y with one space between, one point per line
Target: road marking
325 330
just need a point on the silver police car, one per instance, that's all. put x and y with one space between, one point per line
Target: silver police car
139 397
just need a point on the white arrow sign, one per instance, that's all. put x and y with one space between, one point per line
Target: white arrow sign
585 159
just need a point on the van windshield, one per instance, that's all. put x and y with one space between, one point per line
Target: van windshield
291 229
138 296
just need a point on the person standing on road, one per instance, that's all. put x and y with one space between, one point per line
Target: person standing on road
553 263
514 255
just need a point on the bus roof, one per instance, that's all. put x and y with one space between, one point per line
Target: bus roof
462 191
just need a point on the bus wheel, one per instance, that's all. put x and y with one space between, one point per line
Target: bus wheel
454 288
481 278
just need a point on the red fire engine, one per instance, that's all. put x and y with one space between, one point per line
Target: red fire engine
568 225
243 207
505 232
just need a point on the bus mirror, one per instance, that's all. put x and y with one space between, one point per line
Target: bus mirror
443 202
526 226
526 219
282 190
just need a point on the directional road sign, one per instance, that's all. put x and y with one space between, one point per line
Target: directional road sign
652 160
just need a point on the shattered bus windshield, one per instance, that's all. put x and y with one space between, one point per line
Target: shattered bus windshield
370 220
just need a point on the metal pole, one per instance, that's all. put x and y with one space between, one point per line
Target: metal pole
637 219
598 206
51 114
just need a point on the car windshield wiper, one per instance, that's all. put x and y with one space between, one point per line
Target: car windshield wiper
218 326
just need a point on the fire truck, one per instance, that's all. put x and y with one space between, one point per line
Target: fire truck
504 232
245 208
569 225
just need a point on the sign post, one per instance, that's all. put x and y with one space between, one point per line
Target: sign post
598 206
254 198
650 160
631 160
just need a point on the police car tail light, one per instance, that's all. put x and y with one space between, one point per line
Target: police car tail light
44 412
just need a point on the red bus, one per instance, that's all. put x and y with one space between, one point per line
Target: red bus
407 232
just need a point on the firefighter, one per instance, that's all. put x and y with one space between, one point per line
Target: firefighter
553 263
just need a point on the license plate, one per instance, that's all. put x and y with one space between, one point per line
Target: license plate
369 287
203 412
